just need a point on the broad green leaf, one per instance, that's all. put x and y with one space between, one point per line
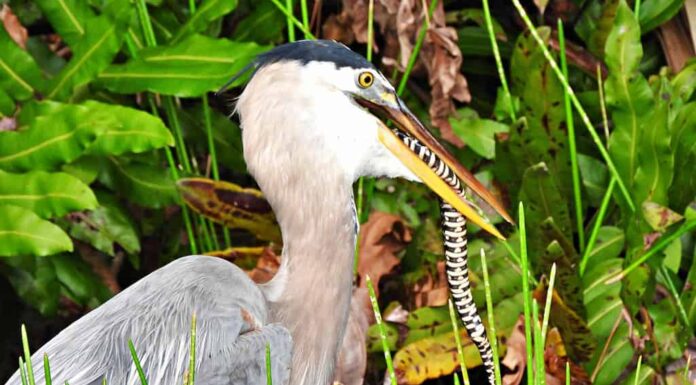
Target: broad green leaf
594 176
146 185
688 294
609 244
206 12
20 77
683 189
190 68
79 279
654 13
126 130
92 54
23 232
231 205
374 339
46 194
684 82
542 200
52 139
85 168
7 105
264 25
34 280
628 96
427 322
479 134
68 17
477 16
105 226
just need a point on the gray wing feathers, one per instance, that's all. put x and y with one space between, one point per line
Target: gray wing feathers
155 313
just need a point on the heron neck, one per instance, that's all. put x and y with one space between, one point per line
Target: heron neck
312 291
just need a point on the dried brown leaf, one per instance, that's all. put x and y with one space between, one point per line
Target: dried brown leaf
266 267
13 27
432 290
380 239
516 356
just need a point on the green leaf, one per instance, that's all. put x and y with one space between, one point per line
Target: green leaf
654 13
207 12
126 130
596 24
683 189
20 76
68 17
59 136
265 24
34 280
79 279
659 217
143 184
23 232
628 95
46 194
684 82
479 134
594 176
92 54
688 295
105 226
190 68
610 243
7 105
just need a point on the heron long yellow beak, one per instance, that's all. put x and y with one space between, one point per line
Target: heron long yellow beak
408 124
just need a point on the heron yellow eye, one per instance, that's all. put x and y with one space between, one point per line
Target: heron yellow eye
365 79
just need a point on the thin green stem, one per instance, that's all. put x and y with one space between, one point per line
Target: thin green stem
291 29
27 355
136 360
493 336
539 378
416 48
498 60
382 331
525 294
577 193
294 20
207 120
597 225
567 373
660 245
192 6
640 361
458 340
677 300
172 117
23 372
193 244
370 28
192 353
207 241
146 23
576 103
636 9
269 371
47 370
305 17
547 305
602 103
213 234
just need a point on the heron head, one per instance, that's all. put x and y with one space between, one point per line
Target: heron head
315 106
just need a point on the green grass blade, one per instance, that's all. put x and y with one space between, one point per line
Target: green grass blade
370 28
298 24
602 102
382 331
525 294
207 120
291 28
498 60
192 354
493 337
636 9
576 103
269 371
174 124
456 379
305 17
640 361
136 360
539 378
547 305
23 372
146 23
416 48
577 193
567 373
27 356
47 370
677 299
458 340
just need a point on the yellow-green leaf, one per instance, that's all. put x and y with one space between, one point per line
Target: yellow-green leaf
23 232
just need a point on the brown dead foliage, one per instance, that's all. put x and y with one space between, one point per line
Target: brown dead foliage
380 239
432 290
13 27
398 23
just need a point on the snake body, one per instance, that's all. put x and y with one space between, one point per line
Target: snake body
456 266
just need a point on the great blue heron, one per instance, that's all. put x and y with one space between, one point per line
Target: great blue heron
309 131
